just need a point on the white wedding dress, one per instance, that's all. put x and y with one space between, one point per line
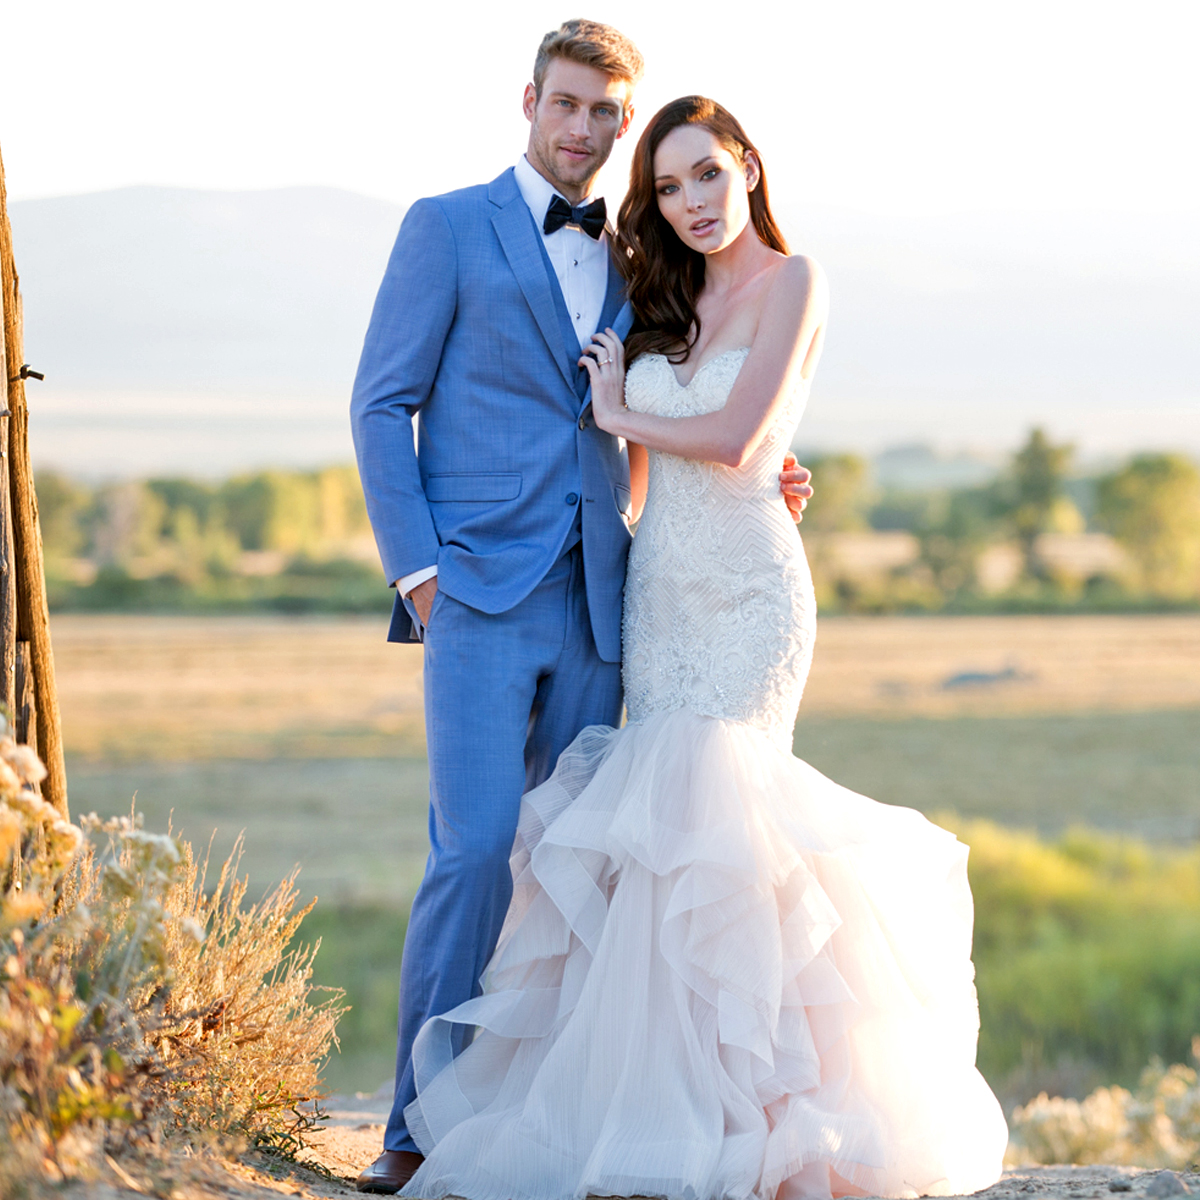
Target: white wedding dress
722 976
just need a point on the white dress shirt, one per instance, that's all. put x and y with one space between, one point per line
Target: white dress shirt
579 261
581 264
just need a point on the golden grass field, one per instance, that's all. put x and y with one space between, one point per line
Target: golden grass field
307 734
158 688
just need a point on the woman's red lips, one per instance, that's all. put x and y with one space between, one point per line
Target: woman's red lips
704 225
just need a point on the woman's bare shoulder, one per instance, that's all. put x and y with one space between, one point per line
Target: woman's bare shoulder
799 277
797 296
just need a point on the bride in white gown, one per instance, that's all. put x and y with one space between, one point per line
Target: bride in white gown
722 975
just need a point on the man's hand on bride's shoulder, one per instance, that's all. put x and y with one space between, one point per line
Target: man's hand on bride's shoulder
605 363
796 486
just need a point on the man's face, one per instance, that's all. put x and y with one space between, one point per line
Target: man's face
581 112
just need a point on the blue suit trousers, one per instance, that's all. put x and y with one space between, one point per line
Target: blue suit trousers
505 694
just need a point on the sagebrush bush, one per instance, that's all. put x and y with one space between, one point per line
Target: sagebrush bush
133 1004
1156 1125
238 1026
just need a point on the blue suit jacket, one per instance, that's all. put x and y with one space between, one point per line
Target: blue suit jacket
470 330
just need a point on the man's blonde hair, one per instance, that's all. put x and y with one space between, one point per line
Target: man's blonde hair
593 45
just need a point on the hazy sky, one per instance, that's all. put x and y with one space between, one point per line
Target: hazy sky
891 107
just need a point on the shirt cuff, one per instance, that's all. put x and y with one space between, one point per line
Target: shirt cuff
406 583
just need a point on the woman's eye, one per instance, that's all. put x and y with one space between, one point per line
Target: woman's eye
668 189
711 173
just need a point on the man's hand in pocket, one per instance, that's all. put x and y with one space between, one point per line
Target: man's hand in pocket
422 597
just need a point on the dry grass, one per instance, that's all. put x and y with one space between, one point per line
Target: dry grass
898 666
137 688
357 827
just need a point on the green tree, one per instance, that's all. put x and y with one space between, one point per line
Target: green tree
343 511
953 534
841 486
1152 507
61 507
1039 476
281 510
125 521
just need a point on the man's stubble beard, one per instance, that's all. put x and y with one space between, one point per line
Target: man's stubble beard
544 153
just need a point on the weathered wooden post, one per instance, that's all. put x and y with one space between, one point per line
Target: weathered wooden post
28 659
8 566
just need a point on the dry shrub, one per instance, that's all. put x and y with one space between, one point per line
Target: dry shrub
239 1029
133 1005
1157 1125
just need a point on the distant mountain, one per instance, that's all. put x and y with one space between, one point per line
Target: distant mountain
181 290
208 331
197 331
966 330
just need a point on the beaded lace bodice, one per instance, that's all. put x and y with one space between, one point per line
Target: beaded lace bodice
719 608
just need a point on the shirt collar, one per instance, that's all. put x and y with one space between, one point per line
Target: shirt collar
536 189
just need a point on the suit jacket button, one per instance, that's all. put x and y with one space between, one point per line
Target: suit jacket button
572 498
583 422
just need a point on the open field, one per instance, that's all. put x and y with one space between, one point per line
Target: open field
307 735
152 688
356 826
1135 773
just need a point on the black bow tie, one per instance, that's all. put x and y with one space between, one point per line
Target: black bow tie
589 217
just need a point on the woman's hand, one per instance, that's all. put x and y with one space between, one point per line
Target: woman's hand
605 363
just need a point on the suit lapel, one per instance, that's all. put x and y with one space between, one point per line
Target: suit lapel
623 321
519 240
614 297
618 314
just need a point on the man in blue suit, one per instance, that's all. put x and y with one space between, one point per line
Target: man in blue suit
505 527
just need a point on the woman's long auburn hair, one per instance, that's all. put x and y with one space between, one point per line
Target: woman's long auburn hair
663 277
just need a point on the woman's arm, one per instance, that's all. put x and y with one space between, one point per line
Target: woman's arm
639 477
787 344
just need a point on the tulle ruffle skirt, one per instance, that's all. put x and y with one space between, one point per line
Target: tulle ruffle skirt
722 976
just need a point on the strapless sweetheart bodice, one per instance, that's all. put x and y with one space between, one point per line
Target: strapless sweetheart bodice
719 608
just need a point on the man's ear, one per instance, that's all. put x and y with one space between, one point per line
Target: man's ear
529 102
626 121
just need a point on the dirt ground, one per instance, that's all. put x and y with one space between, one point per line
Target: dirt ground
355 1133
353 1136
355 1129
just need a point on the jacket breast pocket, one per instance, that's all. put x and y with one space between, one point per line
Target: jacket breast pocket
470 487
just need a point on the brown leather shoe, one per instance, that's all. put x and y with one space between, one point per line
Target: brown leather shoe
389 1172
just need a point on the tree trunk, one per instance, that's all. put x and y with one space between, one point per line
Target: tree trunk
32 610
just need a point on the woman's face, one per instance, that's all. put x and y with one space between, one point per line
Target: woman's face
703 191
